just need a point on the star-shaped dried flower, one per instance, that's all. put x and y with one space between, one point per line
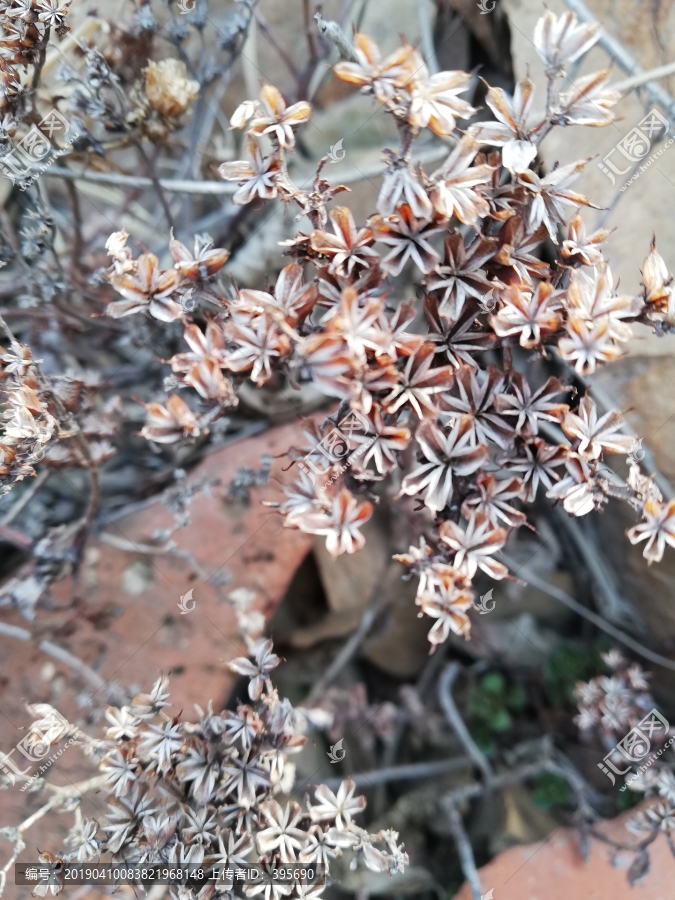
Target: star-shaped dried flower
461 341
380 445
560 40
492 498
145 286
409 238
589 101
532 315
338 808
514 260
256 347
291 301
419 383
590 297
594 433
340 524
549 196
510 131
326 357
168 424
209 344
473 395
265 661
458 187
581 249
357 320
270 115
587 344
256 178
244 776
577 490
399 185
447 602
658 529
347 248
434 102
202 263
537 462
161 743
369 70
659 294
444 455
531 407
282 833
459 277
475 546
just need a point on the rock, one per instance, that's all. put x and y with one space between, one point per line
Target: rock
350 580
129 627
542 554
337 624
137 577
399 644
635 386
635 383
553 869
524 821
414 880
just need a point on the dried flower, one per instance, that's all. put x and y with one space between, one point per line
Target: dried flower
168 88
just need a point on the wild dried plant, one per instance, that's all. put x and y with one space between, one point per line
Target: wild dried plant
438 396
462 396
216 794
610 707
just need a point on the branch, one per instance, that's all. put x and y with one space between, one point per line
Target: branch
409 772
464 849
605 403
456 721
351 646
59 795
266 30
500 782
616 607
332 31
150 167
213 188
570 602
644 78
26 497
168 549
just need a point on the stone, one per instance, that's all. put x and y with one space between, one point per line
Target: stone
398 644
350 580
129 629
553 869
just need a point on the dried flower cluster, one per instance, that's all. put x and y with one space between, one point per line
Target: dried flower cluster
610 705
49 420
26 30
458 396
216 793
